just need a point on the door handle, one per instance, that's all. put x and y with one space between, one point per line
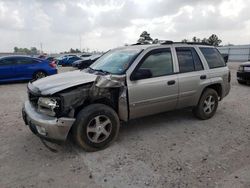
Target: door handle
171 82
203 77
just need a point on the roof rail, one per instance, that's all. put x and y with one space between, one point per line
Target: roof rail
198 43
139 43
166 42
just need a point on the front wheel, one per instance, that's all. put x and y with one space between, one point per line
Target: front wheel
207 105
96 127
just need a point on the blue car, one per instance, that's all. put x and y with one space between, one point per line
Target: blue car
67 60
18 68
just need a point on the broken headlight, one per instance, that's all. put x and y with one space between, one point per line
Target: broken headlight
47 105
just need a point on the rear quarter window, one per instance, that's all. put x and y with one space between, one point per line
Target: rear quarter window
213 57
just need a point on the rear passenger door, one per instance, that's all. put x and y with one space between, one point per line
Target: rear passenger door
159 91
191 76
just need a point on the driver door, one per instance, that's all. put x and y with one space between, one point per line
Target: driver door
155 91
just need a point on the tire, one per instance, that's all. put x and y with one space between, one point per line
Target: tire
205 109
96 127
39 74
241 82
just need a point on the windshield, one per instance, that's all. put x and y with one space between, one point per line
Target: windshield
116 61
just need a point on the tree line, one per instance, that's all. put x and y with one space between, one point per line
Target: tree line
214 40
144 38
31 51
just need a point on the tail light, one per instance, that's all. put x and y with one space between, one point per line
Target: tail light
53 64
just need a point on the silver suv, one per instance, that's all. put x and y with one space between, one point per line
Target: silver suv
126 83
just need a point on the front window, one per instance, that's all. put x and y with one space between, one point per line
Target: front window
116 61
158 63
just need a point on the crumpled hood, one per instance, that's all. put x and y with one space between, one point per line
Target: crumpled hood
59 82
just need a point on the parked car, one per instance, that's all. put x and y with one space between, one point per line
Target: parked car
85 55
17 68
50 58
243 73
42 56
86 62
126 83
67 61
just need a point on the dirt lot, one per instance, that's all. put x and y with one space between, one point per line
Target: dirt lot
167 150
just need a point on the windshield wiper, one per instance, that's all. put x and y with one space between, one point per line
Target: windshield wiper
98 70
91 69
102 71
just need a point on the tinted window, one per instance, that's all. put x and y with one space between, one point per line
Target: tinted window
8 61
188 60
23 61
213 57
159 63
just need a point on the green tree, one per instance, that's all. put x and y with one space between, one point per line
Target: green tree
145 38
214 40
33 50
196 39
204 40
184 40
15 49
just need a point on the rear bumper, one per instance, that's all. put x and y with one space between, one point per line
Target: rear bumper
243 76
50 128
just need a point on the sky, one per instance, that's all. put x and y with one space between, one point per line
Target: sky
105 24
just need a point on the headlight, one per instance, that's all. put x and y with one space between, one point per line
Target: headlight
47 105
241 68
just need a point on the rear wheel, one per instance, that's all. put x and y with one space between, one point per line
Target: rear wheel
207 105
96 127
39 75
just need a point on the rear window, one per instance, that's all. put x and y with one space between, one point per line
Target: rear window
213 57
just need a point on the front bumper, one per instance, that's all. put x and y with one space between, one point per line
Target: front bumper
243 76
50 128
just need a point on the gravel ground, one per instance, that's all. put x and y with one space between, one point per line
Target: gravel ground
167 150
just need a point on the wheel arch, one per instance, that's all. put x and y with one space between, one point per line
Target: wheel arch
216 86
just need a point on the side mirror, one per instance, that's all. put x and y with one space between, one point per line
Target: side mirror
141 74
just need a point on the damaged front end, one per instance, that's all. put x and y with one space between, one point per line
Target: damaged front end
52 115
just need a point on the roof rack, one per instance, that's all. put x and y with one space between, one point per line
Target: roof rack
138 43
191 43
198 43
167 42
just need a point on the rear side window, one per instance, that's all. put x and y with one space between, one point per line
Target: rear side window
188 60
159 63
24 61
9 61
213 57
